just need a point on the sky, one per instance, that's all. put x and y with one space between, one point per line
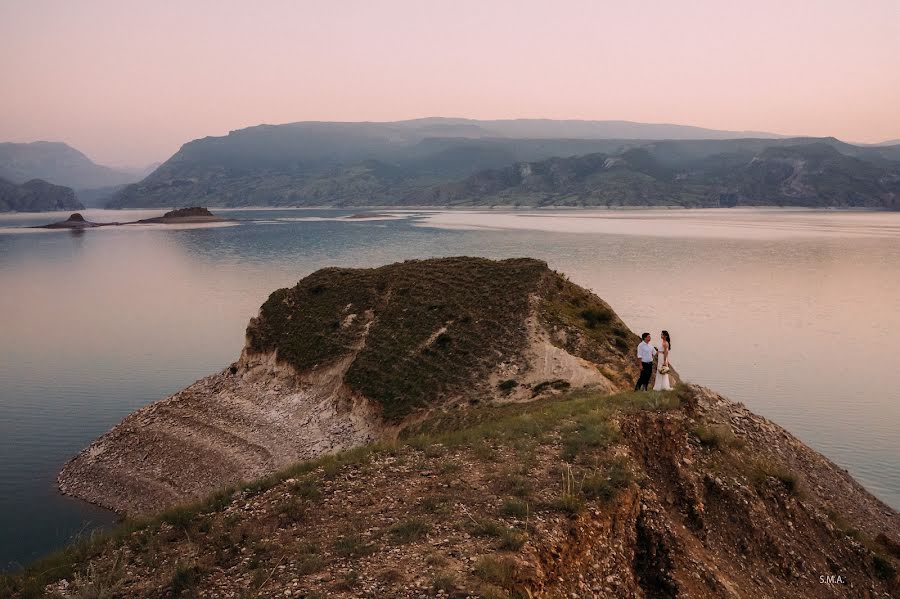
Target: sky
129 81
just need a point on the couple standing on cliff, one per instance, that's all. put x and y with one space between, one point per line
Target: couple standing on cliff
645 353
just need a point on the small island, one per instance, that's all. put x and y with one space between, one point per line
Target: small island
364 215
75 221
194 215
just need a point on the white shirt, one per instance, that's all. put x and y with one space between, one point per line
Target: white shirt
645 351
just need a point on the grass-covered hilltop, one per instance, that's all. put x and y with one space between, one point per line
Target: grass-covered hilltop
459 427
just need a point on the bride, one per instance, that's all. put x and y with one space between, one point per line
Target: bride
662 378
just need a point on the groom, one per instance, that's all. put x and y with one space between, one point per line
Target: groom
645 353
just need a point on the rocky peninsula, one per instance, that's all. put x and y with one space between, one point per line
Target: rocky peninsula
460 427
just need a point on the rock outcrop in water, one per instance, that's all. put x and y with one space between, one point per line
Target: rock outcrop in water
195 214
508 462
75 221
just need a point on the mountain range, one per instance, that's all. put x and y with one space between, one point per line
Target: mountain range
519 162
464 162
62 165
57 163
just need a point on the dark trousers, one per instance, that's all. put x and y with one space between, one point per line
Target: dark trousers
644 379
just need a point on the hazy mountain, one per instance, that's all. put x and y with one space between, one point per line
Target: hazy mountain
812 174
56 163
36 196
318 163
578 129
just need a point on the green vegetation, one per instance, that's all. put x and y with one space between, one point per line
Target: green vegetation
421 331
572 308
444 581
515 508
554 385
605 483
507 385
184 579
761 470
306 488
500 571
409 530
717 436
431 327
591 432
353 544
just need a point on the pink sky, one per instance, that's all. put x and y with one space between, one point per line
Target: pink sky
128 82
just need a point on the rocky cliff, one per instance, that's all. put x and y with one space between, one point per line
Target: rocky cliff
348 356
489 451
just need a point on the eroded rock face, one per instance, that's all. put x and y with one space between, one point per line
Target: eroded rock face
352 355
223 429
440 516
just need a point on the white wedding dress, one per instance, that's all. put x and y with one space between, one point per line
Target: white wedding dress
662 380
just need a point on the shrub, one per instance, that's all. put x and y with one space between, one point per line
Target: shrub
606 484
499 571
352 544
594 317
554 385
717 436
444 581
179 516
511 539
507 385
515 508
306 488
485 527
409 530
570 500
588 435
763 469
292 509
184 579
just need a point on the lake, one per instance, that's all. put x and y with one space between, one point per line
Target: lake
795 313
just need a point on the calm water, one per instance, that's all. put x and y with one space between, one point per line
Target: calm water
794 313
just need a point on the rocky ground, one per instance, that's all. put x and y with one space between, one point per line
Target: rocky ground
678 494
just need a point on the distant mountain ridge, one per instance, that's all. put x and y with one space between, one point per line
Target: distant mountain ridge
57 163
427 161
807 175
